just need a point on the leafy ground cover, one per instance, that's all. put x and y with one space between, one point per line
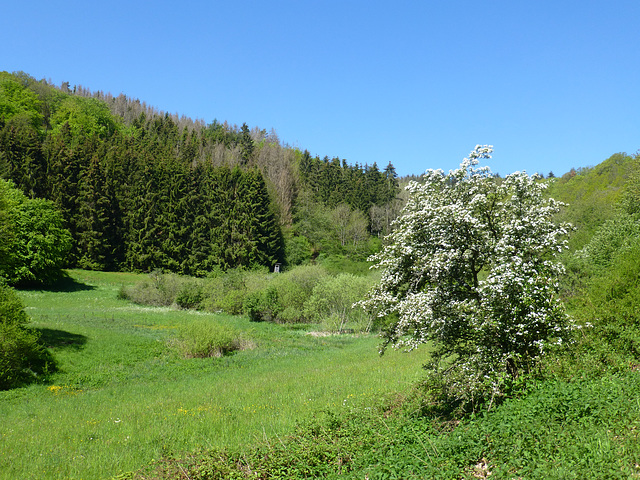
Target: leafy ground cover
123 397
559 430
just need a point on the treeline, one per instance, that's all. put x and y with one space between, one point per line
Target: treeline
141 189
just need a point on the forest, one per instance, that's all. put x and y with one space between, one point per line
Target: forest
141 190
461 325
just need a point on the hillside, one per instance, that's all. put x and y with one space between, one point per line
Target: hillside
209 366
141 189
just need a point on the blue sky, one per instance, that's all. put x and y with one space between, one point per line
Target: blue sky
551 84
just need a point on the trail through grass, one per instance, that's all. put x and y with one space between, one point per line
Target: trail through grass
122 397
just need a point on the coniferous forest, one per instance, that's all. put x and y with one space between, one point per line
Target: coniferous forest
142 190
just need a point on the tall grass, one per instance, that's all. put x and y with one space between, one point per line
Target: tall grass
123 397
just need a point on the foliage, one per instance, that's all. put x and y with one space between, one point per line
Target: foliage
225 292
295 287
16 100
608 291
141 190
23 359
262 296
37 245
592 194
262 305
470 269
360 187
84 116
613 239
282 297
191 295
159 290
202 338
331 304
631 195
297 250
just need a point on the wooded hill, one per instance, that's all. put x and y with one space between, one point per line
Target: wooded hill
141 189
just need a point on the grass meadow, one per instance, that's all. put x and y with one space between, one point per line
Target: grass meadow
122 397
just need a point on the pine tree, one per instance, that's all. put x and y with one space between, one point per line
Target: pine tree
246 144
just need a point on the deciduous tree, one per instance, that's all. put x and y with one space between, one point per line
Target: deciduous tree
470 269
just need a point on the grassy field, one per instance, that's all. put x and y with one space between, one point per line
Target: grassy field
122 397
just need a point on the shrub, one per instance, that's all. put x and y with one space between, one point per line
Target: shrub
331 303
190 295
34 245
294 288
225 291
159 290
205 337
22 358
613 239
614 302
262 305
281 297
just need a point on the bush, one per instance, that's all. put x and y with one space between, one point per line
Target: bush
332 300
281 297
22 358
262 305
612 240
225 291
606 289
190 295
294 288
204 338
163 290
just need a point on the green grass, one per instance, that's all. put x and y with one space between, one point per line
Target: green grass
122 397
559 430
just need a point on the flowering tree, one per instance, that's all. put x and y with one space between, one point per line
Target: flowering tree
470 269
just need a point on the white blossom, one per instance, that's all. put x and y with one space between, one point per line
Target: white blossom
471 268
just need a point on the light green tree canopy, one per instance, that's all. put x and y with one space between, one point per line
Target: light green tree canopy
34 243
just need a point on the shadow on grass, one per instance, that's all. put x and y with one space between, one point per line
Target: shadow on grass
61 339
64 284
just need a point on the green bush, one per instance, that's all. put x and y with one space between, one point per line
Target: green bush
612 240
205 337
294 288
162 290
281 297
615 301
22 358
225 291
332 300
262 305
602 290
190 295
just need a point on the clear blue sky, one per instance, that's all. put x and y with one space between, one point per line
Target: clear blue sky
551 84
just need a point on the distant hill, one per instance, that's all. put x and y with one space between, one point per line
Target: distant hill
592 194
